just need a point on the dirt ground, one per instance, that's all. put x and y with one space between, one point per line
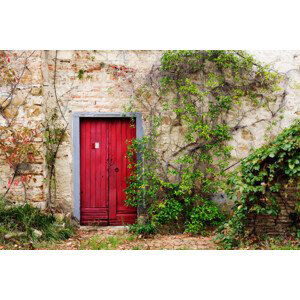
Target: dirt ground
118 238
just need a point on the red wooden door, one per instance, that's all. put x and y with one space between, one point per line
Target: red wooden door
104 171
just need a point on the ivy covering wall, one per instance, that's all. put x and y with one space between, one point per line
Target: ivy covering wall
257 188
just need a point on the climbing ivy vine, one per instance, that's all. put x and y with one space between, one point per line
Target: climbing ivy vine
193 104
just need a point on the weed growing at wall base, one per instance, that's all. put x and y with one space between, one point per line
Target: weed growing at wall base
25 225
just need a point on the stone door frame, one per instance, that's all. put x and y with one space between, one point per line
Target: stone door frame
76 116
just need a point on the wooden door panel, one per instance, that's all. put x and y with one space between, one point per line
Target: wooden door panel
121 131
93 171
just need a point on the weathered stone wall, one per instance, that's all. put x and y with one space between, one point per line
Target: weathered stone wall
288 64
103 81
25 110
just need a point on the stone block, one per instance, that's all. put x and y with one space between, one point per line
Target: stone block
36 91
65 55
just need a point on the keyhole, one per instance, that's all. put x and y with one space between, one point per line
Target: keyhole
116 169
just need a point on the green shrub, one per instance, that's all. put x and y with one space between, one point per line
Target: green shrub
205 215
142 229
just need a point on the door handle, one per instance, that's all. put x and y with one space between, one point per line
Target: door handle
116 169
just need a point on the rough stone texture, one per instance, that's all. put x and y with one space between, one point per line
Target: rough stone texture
106 86
26 110
288 63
